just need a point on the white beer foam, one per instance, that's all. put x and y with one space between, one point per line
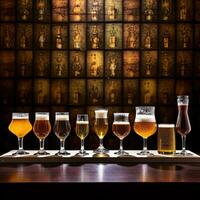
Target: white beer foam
121 123
62 117
82 122
42 117
145 118
182 104
166 125
20 116
101 114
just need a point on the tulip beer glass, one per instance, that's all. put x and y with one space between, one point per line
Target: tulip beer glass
121 128
41 128
145 125
62 130
20 126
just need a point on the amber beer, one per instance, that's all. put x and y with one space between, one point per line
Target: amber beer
62 126
121 129
42 126
145 125
20 126
82 129
101 123
166 141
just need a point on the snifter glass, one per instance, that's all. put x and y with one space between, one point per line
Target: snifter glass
121 128
82 130
145 125
101 128
62 130
20 126
41 128
183 126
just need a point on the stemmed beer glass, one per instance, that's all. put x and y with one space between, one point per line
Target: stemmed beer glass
145 125
121 128
20 126
101 128
183 126
82 130
41 128
62 130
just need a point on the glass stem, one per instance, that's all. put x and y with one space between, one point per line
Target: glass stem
101 144
62 145
41 144
82 146
20 143
144 144
121 145
183 143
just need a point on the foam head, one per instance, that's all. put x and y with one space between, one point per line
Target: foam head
20 116
166 125
103 114
42 116
145 118
62 116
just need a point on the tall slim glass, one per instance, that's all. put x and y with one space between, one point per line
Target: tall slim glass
62 130
121 128
20 126
101 128
82 131
41 128
145 124
183 126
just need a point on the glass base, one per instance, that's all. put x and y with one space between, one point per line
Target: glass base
62 153
20 152
41 153
101 150
145 153
184 153
82 153
121 153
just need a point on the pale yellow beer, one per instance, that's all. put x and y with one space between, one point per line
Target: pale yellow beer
20 127
101 127
82 129
166 141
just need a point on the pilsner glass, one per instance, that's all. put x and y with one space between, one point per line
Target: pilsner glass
121 128
41 128
145 125
82 130
101 128
62 130
183 126
20 126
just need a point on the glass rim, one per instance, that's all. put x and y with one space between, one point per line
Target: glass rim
145 107
61 113
101 110
20 115
181 96
117 114
41 113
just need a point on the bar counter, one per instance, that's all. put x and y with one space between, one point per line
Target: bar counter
105 179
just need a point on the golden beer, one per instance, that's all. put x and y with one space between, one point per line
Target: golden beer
145 129
20 127
166 141
82 129
101 127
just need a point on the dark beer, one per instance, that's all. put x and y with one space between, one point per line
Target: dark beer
183 126
42 128
121 129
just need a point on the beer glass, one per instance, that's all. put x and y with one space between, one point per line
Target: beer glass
183 126
20 126
101 128
82 130
121 128
62 130
166 140
145 125
41 128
